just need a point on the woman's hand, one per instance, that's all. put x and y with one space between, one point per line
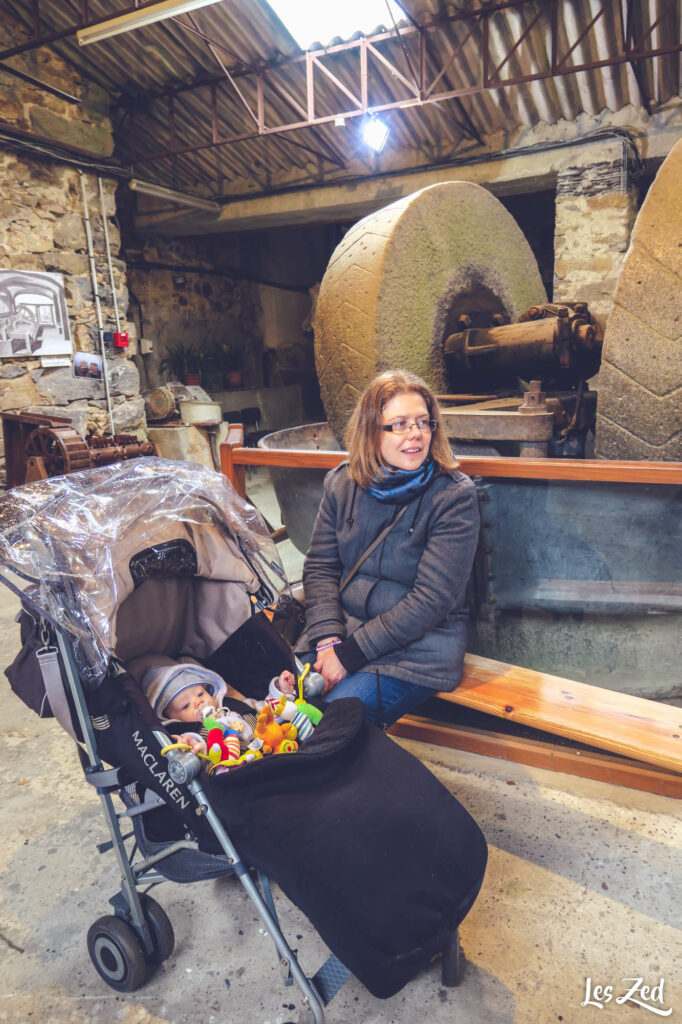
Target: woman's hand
330 668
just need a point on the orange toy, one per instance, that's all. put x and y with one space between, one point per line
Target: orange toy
277 739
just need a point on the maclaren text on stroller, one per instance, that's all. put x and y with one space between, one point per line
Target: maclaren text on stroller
152 557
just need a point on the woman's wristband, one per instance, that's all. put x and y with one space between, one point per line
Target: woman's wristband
351 655
327 645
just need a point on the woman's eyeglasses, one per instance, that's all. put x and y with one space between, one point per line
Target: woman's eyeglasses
424 426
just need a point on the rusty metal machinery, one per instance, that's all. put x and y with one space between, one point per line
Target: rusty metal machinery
53 451
39 446
61 450
557 342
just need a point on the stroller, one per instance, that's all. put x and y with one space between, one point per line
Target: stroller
153 557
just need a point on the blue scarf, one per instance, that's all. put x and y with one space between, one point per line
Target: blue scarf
398 486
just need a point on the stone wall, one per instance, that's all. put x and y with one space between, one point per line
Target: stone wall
42 229
255 286
596 206
181 293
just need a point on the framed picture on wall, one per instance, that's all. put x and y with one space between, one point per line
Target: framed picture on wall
87 364
33 318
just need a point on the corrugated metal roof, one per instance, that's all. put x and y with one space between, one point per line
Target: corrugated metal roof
141 66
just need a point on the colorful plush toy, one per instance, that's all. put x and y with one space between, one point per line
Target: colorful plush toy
254 752
286 711
232 721
310 711
277 739
222 745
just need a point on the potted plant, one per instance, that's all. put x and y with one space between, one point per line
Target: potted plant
237 348
224 362
183 362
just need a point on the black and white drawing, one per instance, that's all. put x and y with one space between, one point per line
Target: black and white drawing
33 317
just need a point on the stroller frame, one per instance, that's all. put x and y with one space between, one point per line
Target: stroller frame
185 768
138 936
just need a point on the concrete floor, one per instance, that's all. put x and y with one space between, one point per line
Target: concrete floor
584 881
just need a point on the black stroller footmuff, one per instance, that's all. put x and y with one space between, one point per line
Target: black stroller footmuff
380 857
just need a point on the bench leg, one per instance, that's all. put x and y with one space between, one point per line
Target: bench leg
452 961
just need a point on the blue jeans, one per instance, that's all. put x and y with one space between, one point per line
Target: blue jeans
385 703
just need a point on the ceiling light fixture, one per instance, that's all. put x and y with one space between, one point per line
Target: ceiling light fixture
138 19
375 133
150 188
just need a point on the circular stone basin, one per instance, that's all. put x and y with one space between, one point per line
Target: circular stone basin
299 491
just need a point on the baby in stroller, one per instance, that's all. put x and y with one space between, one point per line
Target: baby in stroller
184 691
152 558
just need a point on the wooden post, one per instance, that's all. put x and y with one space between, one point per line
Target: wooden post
234 473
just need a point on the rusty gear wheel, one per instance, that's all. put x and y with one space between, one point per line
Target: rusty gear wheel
62 449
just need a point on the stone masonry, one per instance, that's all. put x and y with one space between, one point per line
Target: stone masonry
42 229
596 207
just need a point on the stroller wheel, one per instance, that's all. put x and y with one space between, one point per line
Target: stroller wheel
161 929
117 954
452 961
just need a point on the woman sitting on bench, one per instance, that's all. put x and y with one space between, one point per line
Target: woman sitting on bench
390 555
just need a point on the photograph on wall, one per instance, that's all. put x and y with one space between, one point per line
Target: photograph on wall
33 317
87 364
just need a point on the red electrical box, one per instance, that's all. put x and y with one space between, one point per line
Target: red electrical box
120 339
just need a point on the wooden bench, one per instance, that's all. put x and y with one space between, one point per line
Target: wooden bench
642 738
645 734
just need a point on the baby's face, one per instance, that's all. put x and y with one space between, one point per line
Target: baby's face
189 704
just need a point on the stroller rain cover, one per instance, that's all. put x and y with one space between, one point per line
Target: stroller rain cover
152 556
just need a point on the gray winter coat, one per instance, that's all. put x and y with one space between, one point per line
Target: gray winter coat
405 606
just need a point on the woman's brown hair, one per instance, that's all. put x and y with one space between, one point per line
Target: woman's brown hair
363 434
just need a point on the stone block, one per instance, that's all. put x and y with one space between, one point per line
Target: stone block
77 414
71 263
129 415
69 232
19 392
60 387
124 378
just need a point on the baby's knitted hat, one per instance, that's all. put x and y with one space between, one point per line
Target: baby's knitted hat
162 683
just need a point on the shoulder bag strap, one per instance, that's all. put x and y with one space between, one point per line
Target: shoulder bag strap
375 544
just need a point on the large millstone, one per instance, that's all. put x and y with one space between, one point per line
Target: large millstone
398 281
639 410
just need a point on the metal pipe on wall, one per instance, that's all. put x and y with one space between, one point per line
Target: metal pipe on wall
98 306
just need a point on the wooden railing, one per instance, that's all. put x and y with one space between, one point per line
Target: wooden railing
234 457
503 692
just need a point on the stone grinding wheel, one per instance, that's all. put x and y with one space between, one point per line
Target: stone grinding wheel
388 295
639 409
